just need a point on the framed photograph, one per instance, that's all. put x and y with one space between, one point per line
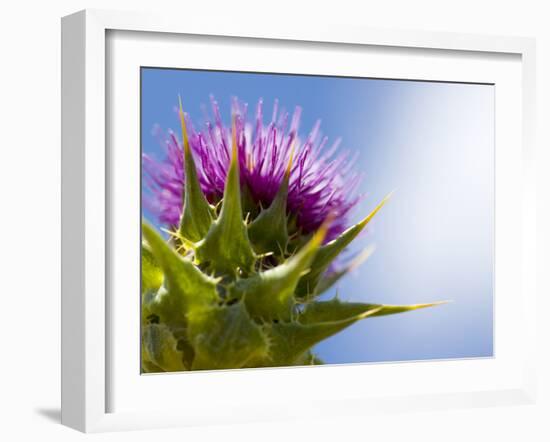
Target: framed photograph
292 222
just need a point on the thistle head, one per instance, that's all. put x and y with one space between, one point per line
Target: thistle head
320 180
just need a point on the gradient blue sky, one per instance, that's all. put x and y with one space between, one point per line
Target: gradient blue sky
433 143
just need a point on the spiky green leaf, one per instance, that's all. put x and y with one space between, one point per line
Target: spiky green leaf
151 273
197 214
269 295
336 310
289 341
328 252
187 288
225 337
226 249
269 231
159 349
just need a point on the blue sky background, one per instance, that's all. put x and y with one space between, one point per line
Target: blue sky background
433 143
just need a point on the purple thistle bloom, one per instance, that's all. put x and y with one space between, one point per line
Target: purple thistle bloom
321 182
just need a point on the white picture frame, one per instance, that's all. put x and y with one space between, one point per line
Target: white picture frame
85 234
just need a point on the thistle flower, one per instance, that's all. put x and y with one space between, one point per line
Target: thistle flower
321 181
229 290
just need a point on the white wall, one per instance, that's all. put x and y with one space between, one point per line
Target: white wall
30 182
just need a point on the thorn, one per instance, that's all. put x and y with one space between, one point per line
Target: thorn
367 219
234 151
170 232
434 304
289 166
183 128
281 251
321 233
189 244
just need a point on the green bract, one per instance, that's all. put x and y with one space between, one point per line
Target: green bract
224 293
